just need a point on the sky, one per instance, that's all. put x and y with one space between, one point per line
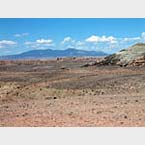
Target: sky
18 35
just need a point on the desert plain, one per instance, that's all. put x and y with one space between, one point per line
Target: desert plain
65 93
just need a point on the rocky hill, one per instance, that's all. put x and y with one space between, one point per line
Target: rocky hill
134 56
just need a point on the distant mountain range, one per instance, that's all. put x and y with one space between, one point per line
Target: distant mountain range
49 53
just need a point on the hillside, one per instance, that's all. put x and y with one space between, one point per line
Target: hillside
134 55
40 54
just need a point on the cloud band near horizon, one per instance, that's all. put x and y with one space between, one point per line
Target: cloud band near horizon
108 44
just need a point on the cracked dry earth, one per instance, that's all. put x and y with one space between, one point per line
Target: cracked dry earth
61 93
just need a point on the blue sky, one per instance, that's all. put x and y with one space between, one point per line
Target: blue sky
110 35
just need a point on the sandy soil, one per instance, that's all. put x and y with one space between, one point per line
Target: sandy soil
62 93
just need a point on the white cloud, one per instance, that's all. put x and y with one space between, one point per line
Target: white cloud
143 35
131 39
67 40
21 35
7 43
28 43
40 44
93 38
80 43
44 41
96 39
112 40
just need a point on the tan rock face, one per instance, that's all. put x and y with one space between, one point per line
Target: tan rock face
140 61
134 55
